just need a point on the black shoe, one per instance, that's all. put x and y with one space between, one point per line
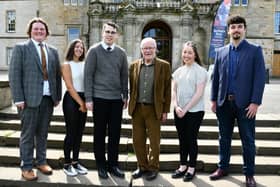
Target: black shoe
102 173
116 172
138 173
178 174
219 173
151 175
188 177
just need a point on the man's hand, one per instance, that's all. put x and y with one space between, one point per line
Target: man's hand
252 110
164 117
20 106
124 103
89 105
214 106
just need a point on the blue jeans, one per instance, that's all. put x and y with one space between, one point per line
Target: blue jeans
226 114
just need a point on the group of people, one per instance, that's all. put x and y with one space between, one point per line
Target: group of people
98 81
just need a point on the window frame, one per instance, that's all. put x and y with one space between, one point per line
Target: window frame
74 2
277 25
67 2
69 37
236 2
244 3
10 27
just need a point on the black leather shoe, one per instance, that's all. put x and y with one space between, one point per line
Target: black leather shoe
102 173
151 175
188 177
219 173
116 172
250 181
138 173
178 174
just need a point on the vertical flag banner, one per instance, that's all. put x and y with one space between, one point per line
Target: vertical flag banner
219 28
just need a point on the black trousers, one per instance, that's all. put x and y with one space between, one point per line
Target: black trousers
107 116
187 129
75 123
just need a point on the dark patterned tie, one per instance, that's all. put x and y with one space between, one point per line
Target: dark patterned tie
109 48
44 62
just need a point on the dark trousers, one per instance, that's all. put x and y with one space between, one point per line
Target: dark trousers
226 115
187 129
34 132
75 123
107 114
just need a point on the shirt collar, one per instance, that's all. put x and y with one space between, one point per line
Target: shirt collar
105 46
240 45
142 62
37 43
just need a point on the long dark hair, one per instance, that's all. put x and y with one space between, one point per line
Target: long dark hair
193 46
70 50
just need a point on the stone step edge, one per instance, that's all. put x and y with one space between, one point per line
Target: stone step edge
168 162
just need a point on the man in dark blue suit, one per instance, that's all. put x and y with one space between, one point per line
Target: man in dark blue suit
237 90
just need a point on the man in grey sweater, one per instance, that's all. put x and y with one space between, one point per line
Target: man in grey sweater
106 92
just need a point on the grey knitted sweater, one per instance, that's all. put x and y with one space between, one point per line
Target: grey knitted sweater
106 73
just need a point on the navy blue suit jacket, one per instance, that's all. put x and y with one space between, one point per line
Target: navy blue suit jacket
249 78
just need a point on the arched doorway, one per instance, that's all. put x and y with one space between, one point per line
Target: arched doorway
161 32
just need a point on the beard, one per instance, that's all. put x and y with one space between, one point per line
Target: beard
236 36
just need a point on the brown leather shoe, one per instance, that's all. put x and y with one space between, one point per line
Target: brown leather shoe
45 169
29 175
250 181
219 173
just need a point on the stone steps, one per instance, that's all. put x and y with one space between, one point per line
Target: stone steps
168 162
267 142
167 131
206 146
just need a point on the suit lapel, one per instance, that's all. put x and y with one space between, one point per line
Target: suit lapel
33 52
49 58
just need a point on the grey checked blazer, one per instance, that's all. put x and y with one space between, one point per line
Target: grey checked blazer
26 74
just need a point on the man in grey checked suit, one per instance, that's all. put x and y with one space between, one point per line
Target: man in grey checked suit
35 94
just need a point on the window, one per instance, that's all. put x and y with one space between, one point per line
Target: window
244 2
73 33
9 54
66 2
81 2
236 2
74 2
277 22
11 21
240 2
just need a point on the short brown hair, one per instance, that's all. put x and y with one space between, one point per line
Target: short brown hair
236 20
112 24
36 20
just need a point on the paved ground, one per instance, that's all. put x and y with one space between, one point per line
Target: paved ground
13 176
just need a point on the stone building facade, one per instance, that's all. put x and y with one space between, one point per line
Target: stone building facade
171 22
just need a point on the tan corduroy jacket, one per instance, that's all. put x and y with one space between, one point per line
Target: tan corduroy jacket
162 86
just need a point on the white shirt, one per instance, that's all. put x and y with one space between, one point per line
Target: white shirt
46 89
187 78
77 70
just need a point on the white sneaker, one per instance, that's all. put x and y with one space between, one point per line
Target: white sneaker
80 169
70 171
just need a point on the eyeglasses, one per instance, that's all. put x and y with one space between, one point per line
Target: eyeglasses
148 48
110 32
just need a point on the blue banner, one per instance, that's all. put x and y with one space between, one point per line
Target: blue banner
219 28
